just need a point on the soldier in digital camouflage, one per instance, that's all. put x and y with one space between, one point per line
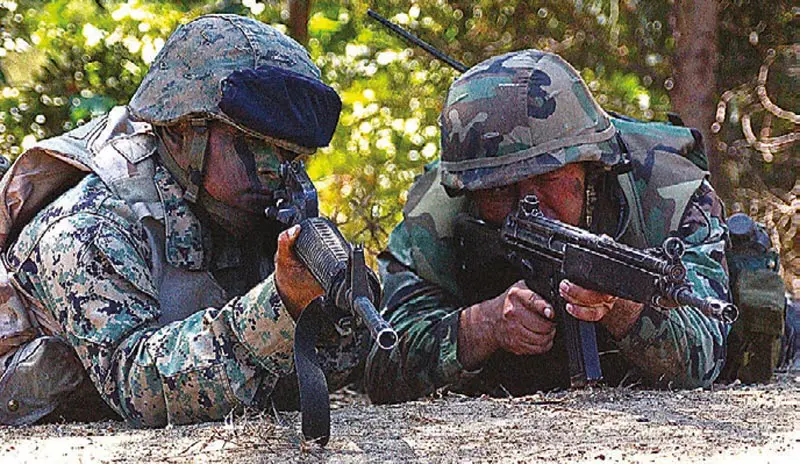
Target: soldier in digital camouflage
520 123
136 249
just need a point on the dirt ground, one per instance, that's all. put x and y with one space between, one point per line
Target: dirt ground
727 425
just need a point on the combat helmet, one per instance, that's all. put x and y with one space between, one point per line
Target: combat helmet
518 115
242 72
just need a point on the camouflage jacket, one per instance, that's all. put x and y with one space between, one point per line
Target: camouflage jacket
423 295
85 262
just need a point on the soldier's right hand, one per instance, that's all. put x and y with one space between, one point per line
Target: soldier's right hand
296 285
518 321
522 321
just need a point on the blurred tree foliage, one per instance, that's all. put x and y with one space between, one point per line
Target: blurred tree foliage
64 61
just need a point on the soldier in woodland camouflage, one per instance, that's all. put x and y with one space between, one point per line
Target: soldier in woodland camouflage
138 249
521 123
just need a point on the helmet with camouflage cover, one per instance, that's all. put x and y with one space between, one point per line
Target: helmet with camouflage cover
518 115
244 73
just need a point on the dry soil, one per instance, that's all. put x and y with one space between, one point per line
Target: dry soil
726 425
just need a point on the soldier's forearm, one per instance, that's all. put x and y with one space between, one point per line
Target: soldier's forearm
476 341
622 317
152 374
427 355
263 325
681 347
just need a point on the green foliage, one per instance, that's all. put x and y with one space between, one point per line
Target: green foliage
71 60
392 93
65 61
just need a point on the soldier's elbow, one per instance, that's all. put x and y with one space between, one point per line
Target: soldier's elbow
700 374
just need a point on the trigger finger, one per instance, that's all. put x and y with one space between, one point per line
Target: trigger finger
544 308
539 305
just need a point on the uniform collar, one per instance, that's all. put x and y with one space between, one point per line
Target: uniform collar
185 241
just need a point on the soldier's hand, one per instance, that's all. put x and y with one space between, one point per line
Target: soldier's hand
616 314
518 321
296 285
523 321
584 304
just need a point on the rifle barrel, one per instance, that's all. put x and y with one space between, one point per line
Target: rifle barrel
414 40
380 330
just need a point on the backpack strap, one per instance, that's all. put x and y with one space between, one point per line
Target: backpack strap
634 222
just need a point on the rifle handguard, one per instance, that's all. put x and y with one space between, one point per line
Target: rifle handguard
348 282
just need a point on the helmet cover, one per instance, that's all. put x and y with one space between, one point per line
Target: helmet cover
518 115
245 73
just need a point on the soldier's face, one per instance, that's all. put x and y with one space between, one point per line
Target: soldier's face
241 171
561 195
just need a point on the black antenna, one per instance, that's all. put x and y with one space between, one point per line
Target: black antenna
439 55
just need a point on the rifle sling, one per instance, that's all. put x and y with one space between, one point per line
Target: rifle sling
314 400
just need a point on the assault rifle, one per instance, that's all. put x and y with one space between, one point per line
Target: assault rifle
337 265
350 287
547 251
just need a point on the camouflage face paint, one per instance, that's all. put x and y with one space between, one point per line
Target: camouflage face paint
242 171
262 160
560 192
495 204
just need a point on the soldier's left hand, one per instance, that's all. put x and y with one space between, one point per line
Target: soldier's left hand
296 285
584 304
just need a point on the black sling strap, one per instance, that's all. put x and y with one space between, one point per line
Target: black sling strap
314 400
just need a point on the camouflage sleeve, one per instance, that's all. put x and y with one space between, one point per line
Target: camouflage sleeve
426 320
94 280
682 347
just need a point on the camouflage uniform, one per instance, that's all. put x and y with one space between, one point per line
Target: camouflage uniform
174 320
490 140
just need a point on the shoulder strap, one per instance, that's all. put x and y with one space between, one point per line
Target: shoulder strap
634 222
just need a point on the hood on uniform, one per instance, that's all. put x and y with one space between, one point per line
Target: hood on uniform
518 115
242 72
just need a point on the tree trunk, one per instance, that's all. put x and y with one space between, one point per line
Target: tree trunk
694 94
299 11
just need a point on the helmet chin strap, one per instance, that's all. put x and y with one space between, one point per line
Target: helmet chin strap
195 148
232 219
